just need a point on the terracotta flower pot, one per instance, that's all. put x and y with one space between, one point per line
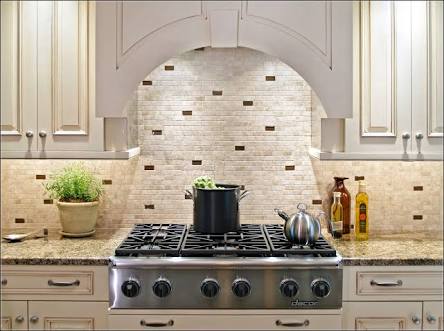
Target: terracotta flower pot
78 218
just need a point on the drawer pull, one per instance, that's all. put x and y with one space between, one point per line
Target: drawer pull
386 284
292 324
156 324
34 319
416 320
4 281
63 284
431 319
19 319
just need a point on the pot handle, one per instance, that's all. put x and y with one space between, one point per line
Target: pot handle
243 195
189 194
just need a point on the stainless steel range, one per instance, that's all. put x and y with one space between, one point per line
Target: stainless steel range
171 266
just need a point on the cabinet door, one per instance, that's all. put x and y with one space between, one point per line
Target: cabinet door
66 111
382 315
433 317
427 76
381 79
14 315
56 315
18 75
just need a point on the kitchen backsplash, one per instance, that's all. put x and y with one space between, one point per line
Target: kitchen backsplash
241 117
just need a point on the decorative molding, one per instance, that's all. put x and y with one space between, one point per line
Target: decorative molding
123 53
365 68
81 127
363 323
16 127
324 54
6 323
56 323
434 91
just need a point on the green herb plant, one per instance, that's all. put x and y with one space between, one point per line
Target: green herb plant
75 183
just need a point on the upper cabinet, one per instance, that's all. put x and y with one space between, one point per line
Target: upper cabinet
398 83
134 37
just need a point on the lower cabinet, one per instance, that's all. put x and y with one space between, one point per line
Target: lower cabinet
14 315
225 322
433 315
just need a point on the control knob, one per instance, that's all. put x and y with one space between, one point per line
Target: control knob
209 288
162 287
130 288
289 288
320 288
241 287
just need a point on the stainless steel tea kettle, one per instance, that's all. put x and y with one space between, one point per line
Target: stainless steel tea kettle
301 228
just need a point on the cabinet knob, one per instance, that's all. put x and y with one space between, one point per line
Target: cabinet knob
34 319
42 134
406 135
431 319
4 281
19 319
416 320
29 134
419 135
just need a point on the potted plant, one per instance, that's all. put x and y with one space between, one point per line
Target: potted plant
77 191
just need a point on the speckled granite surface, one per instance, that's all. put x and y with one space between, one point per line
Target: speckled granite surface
95 250
391 250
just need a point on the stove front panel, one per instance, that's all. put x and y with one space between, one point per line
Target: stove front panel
266 287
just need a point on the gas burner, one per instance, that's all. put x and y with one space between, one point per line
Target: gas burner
249 241
152 239
280 246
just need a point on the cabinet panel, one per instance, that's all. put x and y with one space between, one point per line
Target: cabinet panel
67 315
433 315
66 109
378 99
18 75
382 315
14 315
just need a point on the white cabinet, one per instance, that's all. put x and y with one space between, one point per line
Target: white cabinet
14 315
433 315
398 75
47 96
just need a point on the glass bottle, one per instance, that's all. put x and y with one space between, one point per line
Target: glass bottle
361 222
345 201
336 215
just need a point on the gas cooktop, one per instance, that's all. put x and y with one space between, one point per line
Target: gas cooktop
253 240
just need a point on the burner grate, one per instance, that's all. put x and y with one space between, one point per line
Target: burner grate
152 239
280 246
249 241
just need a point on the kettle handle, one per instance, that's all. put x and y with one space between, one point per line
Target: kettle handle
301 206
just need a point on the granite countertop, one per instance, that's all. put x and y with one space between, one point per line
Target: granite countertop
95 250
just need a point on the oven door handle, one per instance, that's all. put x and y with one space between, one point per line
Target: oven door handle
292 324
156 324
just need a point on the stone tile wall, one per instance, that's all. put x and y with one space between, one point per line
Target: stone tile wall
241 117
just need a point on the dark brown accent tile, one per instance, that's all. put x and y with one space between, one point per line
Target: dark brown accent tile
200 49
196 162
157 132
247 103
169 68
269 128
150 206
417 217
48 201
187 112
239 148
147 82
19 220
289 167
217 92
316 202
270 78
418 188
358 178
40 176
148 167
107 181
242 187
188 197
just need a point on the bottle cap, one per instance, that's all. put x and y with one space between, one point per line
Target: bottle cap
337 194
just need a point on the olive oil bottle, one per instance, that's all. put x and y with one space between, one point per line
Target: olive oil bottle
361 224
336 216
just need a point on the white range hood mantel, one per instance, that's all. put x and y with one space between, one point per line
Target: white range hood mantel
313 37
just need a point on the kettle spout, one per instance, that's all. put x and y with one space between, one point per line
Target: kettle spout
282 214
